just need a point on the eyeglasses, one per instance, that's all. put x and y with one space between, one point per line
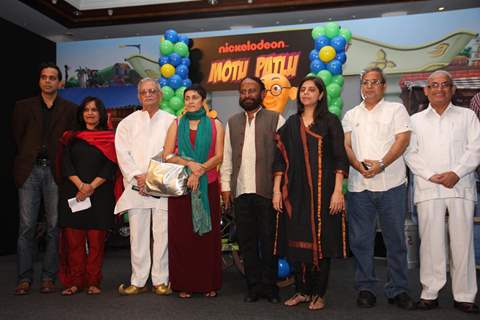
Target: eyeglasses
436 85
51 78
276 90
148 91
372 83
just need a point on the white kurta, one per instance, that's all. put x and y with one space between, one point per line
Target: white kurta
139 138
442 143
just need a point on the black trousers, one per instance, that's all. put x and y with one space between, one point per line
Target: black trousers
255 220
310 280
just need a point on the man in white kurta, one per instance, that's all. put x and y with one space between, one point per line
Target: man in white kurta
138 138
443 154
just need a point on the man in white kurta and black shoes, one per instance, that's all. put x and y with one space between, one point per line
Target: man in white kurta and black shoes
443 155
139 137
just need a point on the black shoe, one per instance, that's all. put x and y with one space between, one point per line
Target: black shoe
425 304
402 300
274 298
251 297
467 307
366 299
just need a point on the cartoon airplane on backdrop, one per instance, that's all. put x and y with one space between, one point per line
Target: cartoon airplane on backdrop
278 91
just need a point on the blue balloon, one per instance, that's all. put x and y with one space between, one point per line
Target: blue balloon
338 43
174 59
187 83
321 42
283 268
335 67
341 56
163 81
163 60
171 35
182 71
175 81
313 55
185 62
316 65
183 38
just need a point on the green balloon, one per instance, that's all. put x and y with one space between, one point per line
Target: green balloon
164 104
335 111
332 29
326 76
179 112
125 217
334 90
168 93
317 32
179 92
338 79
169 110
337 103
181 49
166 47
175 104
346 34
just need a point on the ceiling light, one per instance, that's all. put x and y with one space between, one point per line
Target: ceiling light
76 13
110 12
212 2
441 8
54 1
250 1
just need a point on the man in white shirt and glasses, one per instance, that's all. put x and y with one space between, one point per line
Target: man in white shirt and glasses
443 155
377 133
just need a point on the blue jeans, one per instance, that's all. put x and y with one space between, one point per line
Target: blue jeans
39 184
363 208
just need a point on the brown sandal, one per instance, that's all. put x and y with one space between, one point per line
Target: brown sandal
70 291
23 288
185 295
94 290
296 299
211 294
317 303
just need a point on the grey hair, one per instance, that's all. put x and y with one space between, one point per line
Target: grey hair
441 72
373 69
147 79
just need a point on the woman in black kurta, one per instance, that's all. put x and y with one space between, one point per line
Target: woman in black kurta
87 166
309 168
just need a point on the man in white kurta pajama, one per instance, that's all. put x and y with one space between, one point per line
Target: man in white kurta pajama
443 154
138 138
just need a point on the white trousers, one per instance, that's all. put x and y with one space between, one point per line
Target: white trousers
140 221
433 273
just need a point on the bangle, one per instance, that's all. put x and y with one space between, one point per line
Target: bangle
274 192
81 186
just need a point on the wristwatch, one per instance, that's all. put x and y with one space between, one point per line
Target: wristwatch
382 165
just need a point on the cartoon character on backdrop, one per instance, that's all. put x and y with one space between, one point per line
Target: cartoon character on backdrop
278 91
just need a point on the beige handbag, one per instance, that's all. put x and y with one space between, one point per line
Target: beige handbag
165 179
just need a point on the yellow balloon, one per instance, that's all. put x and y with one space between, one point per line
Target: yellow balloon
167 70
327 53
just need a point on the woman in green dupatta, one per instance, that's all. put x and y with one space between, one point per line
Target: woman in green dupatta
194 238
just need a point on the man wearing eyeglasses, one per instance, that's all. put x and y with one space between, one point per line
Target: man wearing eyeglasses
139 137
377 133
443 155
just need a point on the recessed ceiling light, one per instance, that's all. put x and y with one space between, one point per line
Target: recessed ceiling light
300 20
277 22
110 12
329 18
354 16
441 8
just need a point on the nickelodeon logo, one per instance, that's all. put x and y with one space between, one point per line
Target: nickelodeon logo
252 46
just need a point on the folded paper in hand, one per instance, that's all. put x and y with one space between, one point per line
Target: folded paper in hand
79 205
165 179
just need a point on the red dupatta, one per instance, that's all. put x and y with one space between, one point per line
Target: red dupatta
104 141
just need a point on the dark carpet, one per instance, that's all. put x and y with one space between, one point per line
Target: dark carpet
228 305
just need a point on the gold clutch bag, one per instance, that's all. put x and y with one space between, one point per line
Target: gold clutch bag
165 179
